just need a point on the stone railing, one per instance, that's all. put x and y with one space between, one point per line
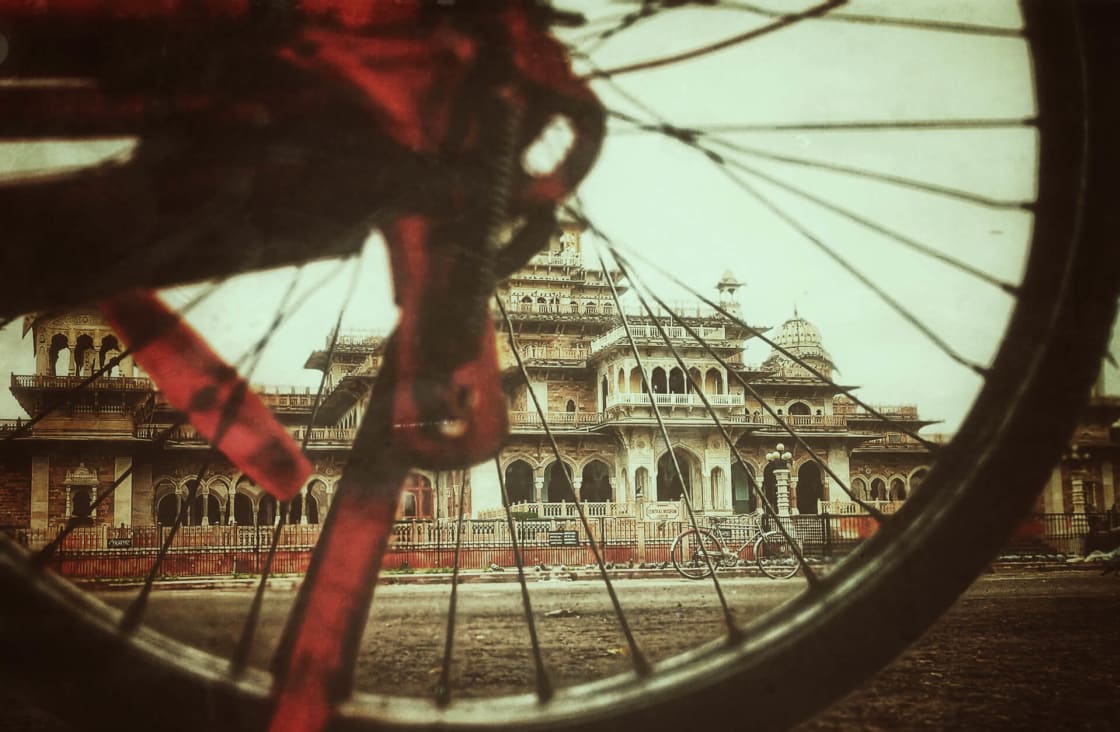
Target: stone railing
287 397
674 400
579 309
556 420
42 381
562 509
646 333
557 259
188 434
794 420
553 353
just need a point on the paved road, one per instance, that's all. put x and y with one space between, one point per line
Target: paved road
1019 650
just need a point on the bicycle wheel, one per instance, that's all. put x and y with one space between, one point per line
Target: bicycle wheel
696 554
775 556
833 633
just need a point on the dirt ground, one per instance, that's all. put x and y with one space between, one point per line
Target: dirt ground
1019 650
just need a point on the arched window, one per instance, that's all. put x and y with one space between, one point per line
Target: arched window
660 383
916 478
809 488
80 503
713 382
608 308
242 509
596 485
743 495
570 407
637 386
716 486
621 381
558 483
669 484
408 505
519 481
641 483
799 409
694 377
878 489
898 490
85 359
167 510
859 489
590 308
60 347
110 349
676 381
267 514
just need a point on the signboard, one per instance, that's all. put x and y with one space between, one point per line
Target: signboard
125 543
667 511
563 538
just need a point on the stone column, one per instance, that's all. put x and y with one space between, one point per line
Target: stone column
1077 495
122 496
577 485
781 477
302 497
40 490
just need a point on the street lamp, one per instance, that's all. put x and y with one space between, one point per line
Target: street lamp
780 458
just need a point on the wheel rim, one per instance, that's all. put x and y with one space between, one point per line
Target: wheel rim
850 591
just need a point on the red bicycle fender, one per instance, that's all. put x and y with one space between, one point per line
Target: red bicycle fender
216 400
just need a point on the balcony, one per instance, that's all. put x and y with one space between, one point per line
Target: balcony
109 383
644 334
556 259
801 421
187 434
558 421
585 310
8 426
281 399
554 355
674 400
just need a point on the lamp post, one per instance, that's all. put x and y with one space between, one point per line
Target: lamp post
1078 461
780 458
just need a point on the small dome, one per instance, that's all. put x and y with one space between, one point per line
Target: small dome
728 281
802 339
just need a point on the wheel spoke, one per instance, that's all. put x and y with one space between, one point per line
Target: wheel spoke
810 576
692 138
783 22
543 682
851 269
240 658
750 389
443 686
637 658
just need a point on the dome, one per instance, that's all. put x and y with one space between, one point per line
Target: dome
802 339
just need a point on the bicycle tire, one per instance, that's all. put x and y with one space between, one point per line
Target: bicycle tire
972 499
685 549
774 556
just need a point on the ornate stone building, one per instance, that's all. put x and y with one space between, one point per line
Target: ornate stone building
581 365
578 357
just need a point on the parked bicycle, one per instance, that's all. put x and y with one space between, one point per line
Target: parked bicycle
696 553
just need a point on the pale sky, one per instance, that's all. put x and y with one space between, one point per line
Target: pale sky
672 204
